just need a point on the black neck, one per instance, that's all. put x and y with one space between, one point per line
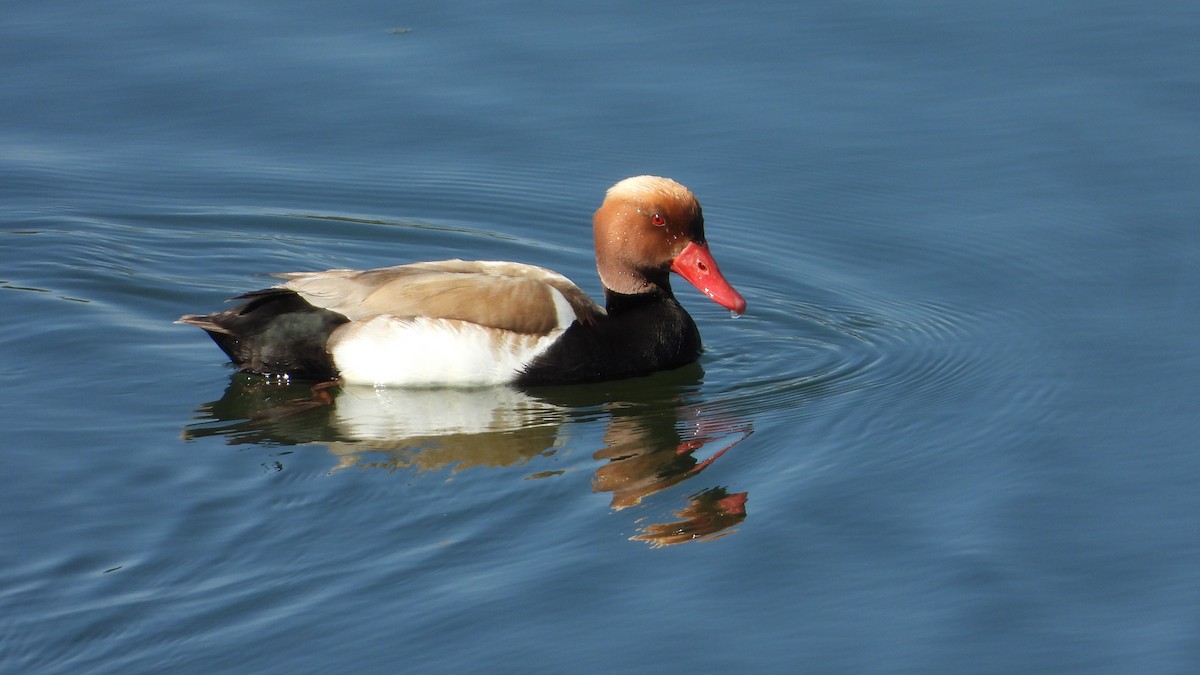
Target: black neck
625 303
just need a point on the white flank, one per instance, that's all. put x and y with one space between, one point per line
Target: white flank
427 352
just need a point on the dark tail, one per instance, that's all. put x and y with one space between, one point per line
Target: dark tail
275 333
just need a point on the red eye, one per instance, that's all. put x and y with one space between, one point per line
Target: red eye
657 219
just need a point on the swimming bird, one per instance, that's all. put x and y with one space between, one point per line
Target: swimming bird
477 323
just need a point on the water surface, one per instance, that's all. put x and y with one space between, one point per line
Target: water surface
954 432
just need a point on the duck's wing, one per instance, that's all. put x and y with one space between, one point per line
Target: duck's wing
504 295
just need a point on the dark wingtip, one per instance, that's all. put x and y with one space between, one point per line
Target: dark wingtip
203 321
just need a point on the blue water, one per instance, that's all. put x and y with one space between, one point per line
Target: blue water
955 432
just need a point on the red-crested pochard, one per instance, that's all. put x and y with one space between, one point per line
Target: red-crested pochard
467 323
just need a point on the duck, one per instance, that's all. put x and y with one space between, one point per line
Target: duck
477 323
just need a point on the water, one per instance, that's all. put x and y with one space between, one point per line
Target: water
953 432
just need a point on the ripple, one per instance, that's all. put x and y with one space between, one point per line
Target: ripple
793 353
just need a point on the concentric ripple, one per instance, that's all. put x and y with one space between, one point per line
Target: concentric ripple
792 353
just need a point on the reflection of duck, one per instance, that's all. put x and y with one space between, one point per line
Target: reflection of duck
427 429
431 429
453 322
646 453
708 515
648 447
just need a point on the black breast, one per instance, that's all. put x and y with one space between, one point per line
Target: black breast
641 334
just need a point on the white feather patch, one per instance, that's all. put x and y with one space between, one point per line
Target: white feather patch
435 352
423 351
562 307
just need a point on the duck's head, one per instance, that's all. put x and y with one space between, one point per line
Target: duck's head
647 228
